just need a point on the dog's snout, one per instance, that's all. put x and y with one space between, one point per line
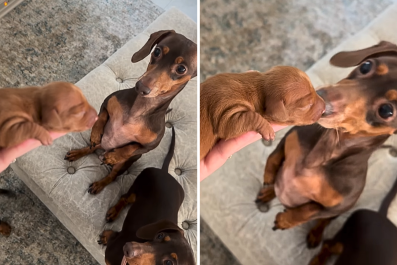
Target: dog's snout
92 118
321 93
128 250
142 89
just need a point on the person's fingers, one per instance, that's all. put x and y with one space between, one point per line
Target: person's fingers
224 149
7 155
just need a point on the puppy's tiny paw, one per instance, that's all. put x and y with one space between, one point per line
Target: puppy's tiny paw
45 139
267 132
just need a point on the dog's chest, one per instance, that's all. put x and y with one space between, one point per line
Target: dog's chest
119 132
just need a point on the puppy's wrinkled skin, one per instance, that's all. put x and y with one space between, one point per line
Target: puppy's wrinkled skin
232 104
29 113
319 172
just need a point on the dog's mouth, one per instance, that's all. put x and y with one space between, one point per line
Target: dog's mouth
124 261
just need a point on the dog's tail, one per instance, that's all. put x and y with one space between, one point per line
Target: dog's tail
384 207
170 154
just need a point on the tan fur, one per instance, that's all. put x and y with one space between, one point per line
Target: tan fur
29 113
165 50
391 95
232 104
382 69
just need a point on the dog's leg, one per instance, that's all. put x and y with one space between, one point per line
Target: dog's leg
273 163
329 248
315 235
122 154
76 154
295 216
5 229
98 128
117 170
18 130
114 212
98 186
105 236
233 124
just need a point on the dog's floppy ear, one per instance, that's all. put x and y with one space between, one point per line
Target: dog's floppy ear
353 58
51 117
149 231
153 40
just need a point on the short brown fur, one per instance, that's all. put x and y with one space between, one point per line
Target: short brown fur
232 104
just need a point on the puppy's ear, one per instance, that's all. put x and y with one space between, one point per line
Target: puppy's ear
276 110
353 58
77 111
50 119
153 40
149 231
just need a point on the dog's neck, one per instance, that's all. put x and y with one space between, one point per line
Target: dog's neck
144 106
334 144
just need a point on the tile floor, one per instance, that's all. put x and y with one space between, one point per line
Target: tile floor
189 7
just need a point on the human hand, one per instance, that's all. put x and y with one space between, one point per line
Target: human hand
7 155
224 149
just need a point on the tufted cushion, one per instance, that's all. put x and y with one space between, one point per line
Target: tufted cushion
63 185
227 197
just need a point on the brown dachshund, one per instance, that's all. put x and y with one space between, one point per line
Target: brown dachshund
29 113
367 238
132 121
150 234
232 104
319 172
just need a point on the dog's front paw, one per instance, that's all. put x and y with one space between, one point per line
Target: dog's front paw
74 155
104 237
95 139
267 132
110 158
265 195
283 221
112 214
96 188
314 238
5 229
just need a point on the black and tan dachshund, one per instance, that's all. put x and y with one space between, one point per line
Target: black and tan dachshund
131 122
150 234
319 172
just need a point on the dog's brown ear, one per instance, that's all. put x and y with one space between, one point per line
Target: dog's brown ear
50 119
153 40
353 58
148 232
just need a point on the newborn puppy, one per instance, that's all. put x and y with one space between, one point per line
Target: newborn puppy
232 104
29 113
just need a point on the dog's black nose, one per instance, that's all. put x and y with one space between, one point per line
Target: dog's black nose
142 89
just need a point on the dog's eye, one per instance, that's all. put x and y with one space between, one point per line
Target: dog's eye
160 236
181 69
168 262
366 67
385 111
157 52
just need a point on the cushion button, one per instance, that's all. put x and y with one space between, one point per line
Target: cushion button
118 79
168 124
185 225
71 170
178 171
264 207
267 143
393 152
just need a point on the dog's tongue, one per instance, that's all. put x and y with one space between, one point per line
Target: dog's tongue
124 261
